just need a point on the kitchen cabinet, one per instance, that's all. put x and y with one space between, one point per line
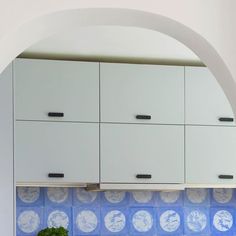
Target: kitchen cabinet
138 153
206 103
210 155
52 90
7 214
45 151
142 93
121 124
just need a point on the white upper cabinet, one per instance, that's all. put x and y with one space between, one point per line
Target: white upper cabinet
142 93
206 103
138 153
210 155
56 152
56 90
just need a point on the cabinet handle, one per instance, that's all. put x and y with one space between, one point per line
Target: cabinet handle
143 176
56 175
226 176
55 114
226 119
143 117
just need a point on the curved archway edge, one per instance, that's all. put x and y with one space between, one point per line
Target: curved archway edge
46 25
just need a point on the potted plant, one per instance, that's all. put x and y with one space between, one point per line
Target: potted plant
53 232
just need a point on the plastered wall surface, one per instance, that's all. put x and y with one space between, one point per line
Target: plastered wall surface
208 26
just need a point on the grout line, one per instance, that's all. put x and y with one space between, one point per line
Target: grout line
185 124
125 123
129 123
99 126
58 121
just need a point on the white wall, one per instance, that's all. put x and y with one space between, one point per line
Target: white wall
214 21
113 43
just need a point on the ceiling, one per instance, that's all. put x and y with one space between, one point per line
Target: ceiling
113 43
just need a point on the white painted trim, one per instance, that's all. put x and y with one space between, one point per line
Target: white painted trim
153 187
42 184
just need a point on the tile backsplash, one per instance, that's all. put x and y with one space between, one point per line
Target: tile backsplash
191 212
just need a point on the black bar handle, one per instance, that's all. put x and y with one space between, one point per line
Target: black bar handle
226 119
143 176
226 176
55 114
56 175
143 117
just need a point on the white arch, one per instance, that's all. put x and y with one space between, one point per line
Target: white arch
46 25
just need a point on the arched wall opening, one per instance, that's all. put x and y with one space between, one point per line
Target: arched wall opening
47 25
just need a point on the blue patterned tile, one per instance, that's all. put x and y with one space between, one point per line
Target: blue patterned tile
58 196
58 217
151 214
222 220
29 220
114 221
170 221
196 197
172 198
81 197
114 198
86 221
222 197
142 198
197 220
142 221
29 196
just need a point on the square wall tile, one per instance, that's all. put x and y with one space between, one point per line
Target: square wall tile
142 221
86 221
222 220
29 220
114 221
171 198
142 198
196 197
81 197
58 217
223 197
115 198
196 221
170 220
29 196
58 196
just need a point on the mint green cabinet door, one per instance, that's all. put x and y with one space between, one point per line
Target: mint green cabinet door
210 152
68 87
128 90
206 103
129 150
43 148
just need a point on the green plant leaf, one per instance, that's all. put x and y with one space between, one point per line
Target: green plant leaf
53 232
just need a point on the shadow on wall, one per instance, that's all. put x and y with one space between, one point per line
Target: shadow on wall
189 212
55 22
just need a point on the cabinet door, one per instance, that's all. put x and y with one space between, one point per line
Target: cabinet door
128 150
129 90
210 152
55 147
68 87
206 102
